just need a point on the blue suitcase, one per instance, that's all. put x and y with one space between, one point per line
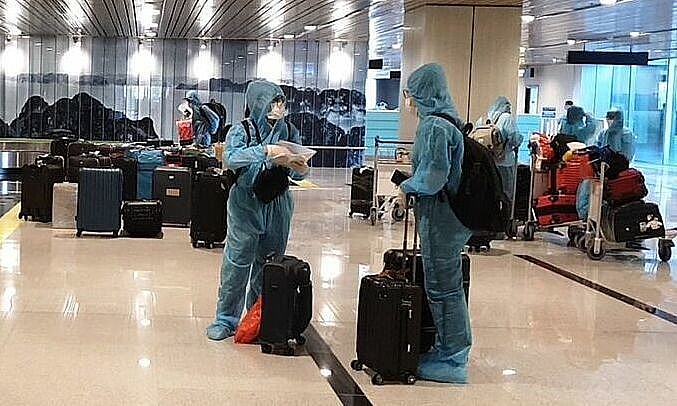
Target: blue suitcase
99 201
147 162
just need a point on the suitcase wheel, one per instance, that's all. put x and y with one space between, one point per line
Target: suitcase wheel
377 380
266 348
665 250
300 340
356 365
194 243
115 234
409 379
78 234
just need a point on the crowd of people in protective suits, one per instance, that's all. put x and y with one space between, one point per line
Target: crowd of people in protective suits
256 230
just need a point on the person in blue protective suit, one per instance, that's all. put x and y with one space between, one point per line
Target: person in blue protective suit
616 136
500 115
437 159
619 139
578 124
255 230
205 121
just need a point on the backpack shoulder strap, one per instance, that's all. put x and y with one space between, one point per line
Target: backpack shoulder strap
452 121
245 125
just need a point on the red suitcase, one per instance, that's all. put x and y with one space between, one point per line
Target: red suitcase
556 209
628 187
570 174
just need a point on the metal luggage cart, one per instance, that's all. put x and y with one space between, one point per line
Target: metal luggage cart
595 243
389 155
531 226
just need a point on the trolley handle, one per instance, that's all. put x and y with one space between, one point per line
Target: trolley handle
409 204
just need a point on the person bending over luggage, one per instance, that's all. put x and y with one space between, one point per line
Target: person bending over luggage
578 124
436 162
205 121
255 229
617 137
501 115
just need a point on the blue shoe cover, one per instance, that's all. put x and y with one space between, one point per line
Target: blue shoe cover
218 332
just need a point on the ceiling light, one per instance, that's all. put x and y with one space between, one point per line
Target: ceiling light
310 27
509 372
289 36
270 47
397 45
607 2
523 50
150 34
250 53
571 42
555 60
635 34
406 28
38 44
203 45
526 19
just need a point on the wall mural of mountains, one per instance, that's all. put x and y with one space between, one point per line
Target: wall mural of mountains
111 101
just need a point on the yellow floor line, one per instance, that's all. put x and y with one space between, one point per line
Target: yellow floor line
305 184
9 222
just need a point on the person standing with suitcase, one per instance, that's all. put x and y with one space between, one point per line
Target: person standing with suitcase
260 204
437 160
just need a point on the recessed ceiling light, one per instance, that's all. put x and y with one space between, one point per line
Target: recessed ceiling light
310 27
250 53
150 34
571 42
397 45
607 2
406 28
528 18
38 44
635 34
289 36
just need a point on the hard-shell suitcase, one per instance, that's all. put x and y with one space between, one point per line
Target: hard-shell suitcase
77 162
556 209
142 218
287 298
571 174
172 186
59 145
209 208
99 201
634 221
147 161
629 186
361 191
394 259
522 192
37 184
389 317
129 168
65 206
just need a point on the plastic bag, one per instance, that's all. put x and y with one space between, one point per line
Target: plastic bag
248 330
298 152
185 129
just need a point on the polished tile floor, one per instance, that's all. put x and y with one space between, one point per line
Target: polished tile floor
99 321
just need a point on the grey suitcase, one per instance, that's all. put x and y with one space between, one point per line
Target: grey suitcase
99 201
172 186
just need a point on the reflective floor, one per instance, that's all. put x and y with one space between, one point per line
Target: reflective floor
100 321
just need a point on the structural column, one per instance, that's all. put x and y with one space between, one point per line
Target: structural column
478 46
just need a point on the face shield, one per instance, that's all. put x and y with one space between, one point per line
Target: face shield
278 108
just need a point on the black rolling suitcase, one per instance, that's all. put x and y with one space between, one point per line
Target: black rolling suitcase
362 191
522 193
209 208
89 160
635 221
37 186
99 201
287 304
61 139
81 147
389 326
172 186
142 218
129 168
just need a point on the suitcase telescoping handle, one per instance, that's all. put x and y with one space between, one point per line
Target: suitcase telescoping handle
409 205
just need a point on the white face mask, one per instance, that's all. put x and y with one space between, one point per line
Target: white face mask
278 111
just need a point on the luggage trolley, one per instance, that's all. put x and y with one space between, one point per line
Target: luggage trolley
532 226
594 241
399 158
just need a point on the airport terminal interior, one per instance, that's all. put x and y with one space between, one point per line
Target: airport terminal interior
131 184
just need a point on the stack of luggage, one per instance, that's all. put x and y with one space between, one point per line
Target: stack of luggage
155 180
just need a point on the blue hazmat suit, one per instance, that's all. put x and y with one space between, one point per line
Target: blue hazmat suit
619 139
205 121
500 115
575 125
255 230
437 157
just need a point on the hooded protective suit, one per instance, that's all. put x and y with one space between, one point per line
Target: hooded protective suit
619 138
574 124
205 121
501 115
437 159
255 230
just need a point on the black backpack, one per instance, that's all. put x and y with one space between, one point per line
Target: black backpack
480 203
220 111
